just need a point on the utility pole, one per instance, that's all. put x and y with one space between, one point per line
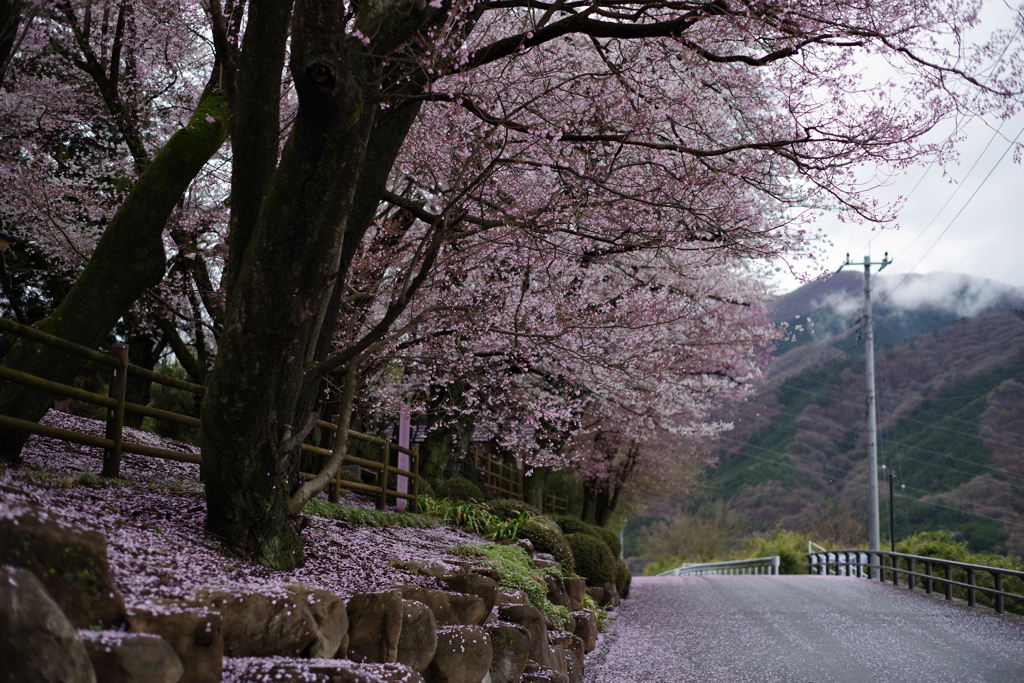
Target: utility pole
874 532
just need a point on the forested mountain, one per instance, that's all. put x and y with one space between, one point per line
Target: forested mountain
950 386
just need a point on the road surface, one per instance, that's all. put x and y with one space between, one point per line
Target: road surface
800 629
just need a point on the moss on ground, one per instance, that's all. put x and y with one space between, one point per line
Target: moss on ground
518 572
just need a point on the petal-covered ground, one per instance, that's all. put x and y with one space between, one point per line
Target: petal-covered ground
157 544
800 629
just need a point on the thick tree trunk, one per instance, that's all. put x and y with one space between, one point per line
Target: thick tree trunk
144 349
382 150
128 259
284 280
605 508
10 23
533 486
597 507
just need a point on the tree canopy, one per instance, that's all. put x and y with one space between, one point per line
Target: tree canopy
544 215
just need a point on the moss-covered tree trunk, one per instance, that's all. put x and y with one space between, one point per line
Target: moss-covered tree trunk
129 258
284 268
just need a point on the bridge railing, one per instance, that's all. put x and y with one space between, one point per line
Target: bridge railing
755 565
837 559
960 578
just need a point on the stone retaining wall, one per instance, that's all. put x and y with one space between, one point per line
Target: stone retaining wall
62 620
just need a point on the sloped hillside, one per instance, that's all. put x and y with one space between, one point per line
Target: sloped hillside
950 411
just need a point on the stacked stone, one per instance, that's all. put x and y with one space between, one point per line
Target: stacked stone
62 619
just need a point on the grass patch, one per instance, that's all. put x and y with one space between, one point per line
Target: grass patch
318 507
478 519
518 572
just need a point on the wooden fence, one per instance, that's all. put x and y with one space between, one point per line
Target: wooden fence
507 482
113 443
555 505
497 477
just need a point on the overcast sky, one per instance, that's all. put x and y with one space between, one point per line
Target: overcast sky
981 230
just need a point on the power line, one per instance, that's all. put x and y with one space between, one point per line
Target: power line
958 214
949 199
804 378
847 471
922 422
793 466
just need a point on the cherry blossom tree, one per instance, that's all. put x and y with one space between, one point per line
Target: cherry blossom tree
715 128
96 166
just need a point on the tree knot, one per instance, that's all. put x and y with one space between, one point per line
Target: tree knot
322 75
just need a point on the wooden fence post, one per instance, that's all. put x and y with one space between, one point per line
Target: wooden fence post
334 488
383 500
115 416
334 494
416 479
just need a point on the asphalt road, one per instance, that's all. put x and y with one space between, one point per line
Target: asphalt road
800 629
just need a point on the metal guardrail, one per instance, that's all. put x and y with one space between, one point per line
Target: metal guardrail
957 577
844 566
755 565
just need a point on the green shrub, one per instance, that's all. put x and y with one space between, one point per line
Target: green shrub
623 579
790 546
942 544
610 538
662 565
594 562
459 490
469 515
935 544
509 508
545 539
574 525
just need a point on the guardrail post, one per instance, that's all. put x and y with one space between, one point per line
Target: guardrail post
115 416
382 501
971 596
928 581
998 576
949 581
910 573
895 573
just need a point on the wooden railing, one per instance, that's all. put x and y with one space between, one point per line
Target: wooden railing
555 505
383 469
113 443
498 478
506 481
